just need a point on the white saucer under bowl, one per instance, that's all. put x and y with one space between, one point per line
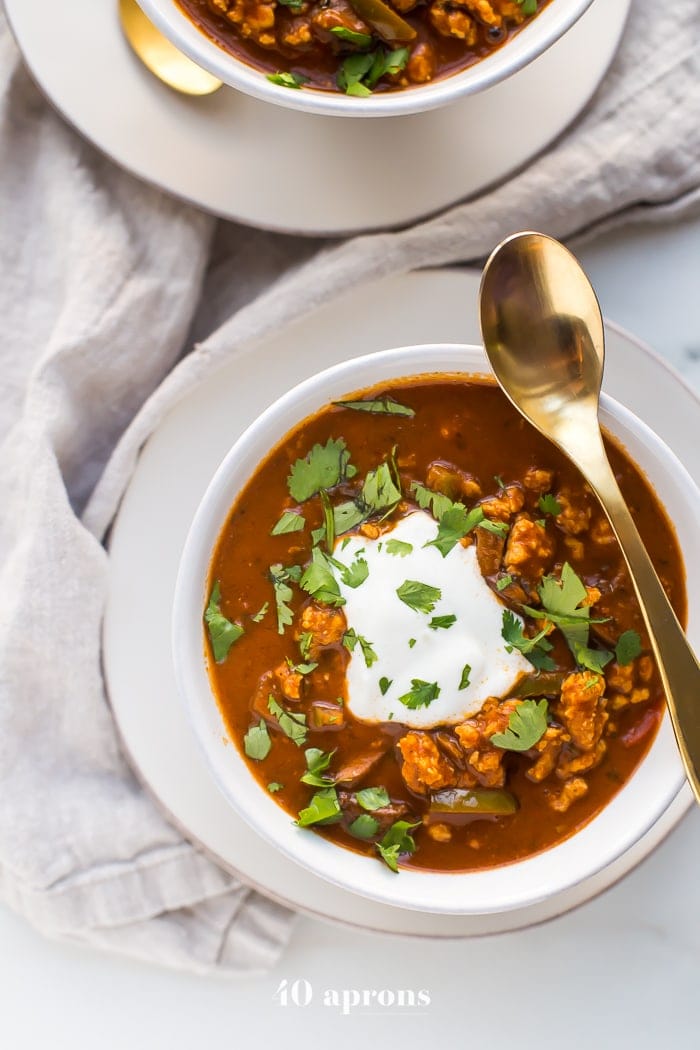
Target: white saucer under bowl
147 538
232 154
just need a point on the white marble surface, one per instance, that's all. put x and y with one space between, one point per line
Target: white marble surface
622 971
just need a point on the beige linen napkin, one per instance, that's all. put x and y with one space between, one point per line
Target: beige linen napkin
102 280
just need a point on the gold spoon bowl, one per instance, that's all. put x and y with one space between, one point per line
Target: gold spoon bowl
161 57
543 332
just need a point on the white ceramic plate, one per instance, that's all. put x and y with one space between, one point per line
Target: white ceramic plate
232 155
147 538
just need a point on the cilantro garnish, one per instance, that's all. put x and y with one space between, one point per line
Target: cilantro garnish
549 504
328 521
305 642
380 494
411 642
397 841
317 762
292 723
499 528
359 40
398 548
261 613
324 808
421 694
322 468
505 581
434 502
359 74
561 605
373 798
526 725
385 406
444 622
355 574
291 521
453 525
384 685
222 632
464 680
420 597
288 80
364 826
628 648
274 786
256 742
535 649
281 576
529 7
592 659
319 581
351 638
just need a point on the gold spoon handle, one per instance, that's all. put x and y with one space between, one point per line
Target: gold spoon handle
678 666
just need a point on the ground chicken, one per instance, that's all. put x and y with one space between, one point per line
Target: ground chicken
289 680
424 767
570 792
601 531
252 18
581 708
574 518
529 549
568 765
446 477
419 69
297 34
487 766
538 480
439 832
449 21
505 505
548 749
326 626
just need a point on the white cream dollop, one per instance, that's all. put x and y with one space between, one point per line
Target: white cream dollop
406 646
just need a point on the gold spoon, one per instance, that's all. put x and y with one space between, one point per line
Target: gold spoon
543 332
160 56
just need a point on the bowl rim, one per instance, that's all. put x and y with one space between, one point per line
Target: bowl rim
550 24
355 872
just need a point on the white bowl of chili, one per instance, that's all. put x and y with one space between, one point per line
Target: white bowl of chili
249 68
250 780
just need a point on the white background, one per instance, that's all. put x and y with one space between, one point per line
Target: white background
621 971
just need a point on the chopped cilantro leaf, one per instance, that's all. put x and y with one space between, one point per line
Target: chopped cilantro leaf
328 521
411 642
292 723
442 621
526 725
421 694
281 576
373 798
499 481
505 581
431 501
535 649
561 605
549 504
355 574
380 494
291 521
351 638
592 659
628 648
453 525
288 80
364 826
385 406
528 7
359 40
398 548
396 841
222 632
419 596
319 581
317 762
322 468
256 742
261 613
464 680
498 528
274 786
305 640
324 808
384 685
